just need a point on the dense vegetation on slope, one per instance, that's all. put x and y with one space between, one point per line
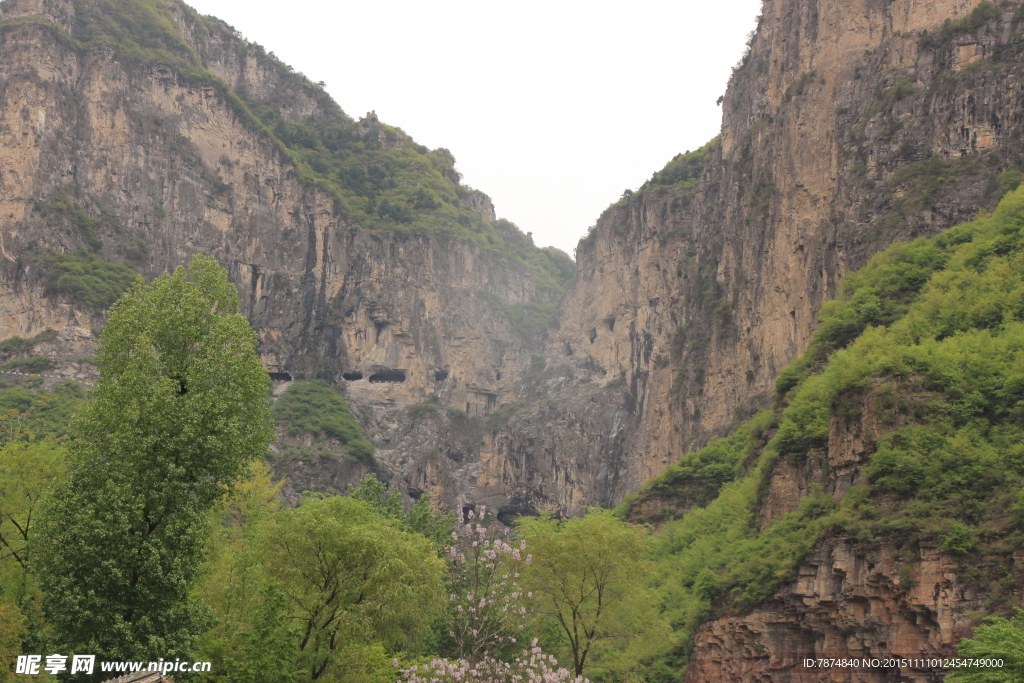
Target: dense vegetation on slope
316 408
928 338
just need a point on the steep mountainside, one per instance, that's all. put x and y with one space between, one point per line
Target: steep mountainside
847 126
136 133
875 511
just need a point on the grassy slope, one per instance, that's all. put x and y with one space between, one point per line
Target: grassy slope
941 319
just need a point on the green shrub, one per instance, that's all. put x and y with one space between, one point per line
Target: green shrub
20 344
316 408
685 170
82 278
797 89
81 220
959 540
432 406
32 365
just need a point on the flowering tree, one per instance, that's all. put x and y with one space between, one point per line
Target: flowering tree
487 606
531 666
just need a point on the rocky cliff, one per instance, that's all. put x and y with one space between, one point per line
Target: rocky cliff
899 611
853 599
846 127
116 153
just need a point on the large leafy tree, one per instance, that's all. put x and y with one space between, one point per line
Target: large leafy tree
590 578
179 412
351 580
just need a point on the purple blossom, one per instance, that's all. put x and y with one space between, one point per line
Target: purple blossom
484 580
529 667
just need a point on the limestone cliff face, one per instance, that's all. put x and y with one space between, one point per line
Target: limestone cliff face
151 166
847 126
842 131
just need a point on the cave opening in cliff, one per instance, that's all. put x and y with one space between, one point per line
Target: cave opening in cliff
508 514
352 376
387 375
280 376
610 322
440 375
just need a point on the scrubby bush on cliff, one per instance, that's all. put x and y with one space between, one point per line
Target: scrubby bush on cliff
82 278
316 408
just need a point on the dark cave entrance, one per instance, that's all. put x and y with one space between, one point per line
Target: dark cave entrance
387 375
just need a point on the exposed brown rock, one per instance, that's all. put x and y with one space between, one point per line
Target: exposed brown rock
849 602
406 317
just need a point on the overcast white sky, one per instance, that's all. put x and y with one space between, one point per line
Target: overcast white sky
551 108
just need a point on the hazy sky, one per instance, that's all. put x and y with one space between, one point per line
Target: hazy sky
551 108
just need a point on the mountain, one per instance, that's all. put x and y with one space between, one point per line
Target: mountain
138 133
486 371
846 127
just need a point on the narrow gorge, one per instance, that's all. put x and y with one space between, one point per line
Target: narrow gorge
487 371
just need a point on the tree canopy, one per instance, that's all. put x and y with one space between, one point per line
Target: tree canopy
589 577
179 412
